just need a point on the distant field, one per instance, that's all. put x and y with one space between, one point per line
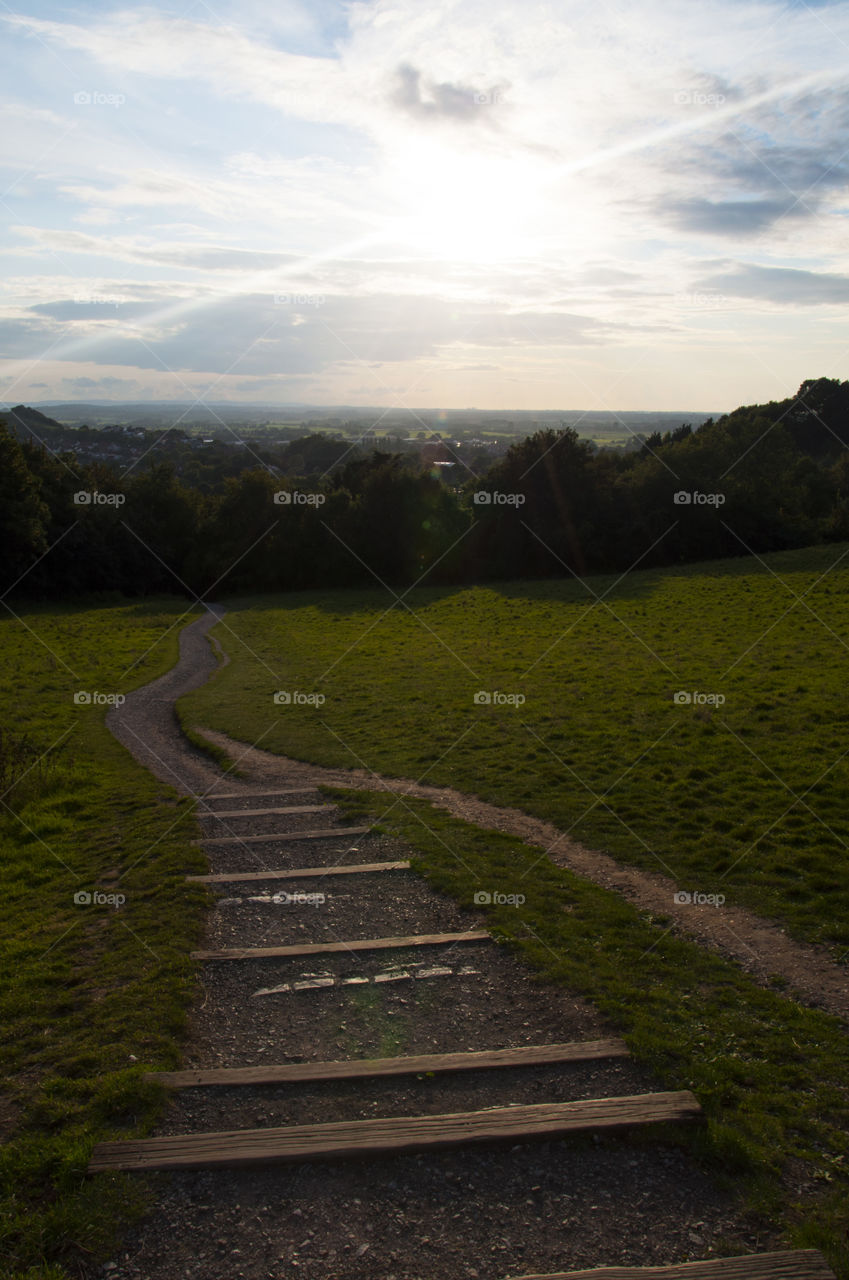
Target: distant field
745 798
90 993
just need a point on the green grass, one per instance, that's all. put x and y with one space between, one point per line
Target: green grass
771 1075
90 995
746 799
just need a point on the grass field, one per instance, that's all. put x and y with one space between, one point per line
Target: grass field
744 798
90 993
772 1076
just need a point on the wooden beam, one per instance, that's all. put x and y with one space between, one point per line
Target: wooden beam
356 944
395 1135
255 795
789 1264
333 833
370 1068
253 813
356 868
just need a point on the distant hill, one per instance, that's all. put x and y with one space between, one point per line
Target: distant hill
27 423
352 420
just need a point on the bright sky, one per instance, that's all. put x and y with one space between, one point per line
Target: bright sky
637 204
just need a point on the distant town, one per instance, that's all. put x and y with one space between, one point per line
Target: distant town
227 438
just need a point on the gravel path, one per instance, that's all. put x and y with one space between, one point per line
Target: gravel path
478 1213
147 723
758 945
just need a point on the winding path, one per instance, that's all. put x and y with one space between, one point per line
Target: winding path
147 725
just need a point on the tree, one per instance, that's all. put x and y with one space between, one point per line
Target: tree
23 513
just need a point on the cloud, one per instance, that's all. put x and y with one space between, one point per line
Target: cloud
210 257
360 152
106 384
254 336
474 368
425 100
784 285
733 217
225 57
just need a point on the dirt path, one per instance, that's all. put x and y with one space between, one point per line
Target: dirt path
477 1213
760 946
147 723
148 726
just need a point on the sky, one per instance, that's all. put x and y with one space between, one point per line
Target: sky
459 203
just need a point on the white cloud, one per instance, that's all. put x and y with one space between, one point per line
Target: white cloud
544 176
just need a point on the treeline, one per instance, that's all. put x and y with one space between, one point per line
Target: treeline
763 478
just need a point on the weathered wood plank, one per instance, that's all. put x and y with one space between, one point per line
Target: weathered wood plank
255 795
356 944
253 813
789 1264
331 833
369 1068
303 873
394 1135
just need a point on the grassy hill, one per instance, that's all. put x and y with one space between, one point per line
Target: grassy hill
738 790
91 992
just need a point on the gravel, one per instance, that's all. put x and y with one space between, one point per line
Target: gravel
479 1212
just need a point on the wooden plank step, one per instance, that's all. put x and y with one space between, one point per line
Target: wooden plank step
787 1264
357 868
357 944
255 795
394 1135
253 813
333 833
369 1068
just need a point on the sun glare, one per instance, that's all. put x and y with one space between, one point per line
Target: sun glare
461 205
